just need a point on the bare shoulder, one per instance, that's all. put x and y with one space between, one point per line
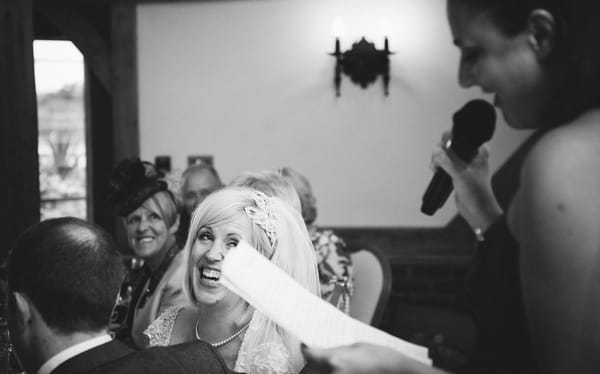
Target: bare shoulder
566 154
559 185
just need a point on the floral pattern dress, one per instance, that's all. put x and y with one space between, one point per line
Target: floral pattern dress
335 268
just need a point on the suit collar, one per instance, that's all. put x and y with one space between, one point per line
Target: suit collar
72 351
94 357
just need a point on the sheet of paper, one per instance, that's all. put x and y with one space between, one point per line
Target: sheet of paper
312 320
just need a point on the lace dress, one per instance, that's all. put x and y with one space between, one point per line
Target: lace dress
260 352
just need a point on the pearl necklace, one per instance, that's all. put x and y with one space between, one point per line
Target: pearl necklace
224 341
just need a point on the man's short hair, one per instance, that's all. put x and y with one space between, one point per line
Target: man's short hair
70 270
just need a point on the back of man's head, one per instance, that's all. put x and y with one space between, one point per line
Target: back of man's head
71 272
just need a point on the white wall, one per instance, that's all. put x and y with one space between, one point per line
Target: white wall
251 83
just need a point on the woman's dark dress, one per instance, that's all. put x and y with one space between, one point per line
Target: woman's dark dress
503 343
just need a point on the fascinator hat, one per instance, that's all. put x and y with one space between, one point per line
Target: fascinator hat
132 182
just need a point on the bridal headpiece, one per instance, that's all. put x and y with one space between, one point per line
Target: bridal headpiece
263 215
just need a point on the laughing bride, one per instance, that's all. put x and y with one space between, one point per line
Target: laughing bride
248 341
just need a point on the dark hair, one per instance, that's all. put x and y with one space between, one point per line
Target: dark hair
70 270
577 46
511 16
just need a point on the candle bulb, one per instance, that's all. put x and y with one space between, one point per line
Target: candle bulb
337 46
385 45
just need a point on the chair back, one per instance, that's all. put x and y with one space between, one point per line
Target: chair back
372 285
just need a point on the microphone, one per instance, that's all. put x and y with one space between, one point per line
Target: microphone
473 125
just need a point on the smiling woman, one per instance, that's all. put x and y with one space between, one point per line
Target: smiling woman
151 219
150 227
247 340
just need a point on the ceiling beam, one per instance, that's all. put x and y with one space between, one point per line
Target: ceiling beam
75 27
124 80
127 2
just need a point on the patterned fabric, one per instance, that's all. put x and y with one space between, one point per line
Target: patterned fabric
335 268
271 357
159 331
263 215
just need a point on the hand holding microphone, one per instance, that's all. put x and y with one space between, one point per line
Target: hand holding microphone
462 165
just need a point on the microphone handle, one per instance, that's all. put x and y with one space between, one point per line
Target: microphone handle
437 192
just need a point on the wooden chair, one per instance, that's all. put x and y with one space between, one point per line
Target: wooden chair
372 285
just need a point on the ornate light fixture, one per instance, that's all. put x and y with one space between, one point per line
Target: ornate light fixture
362 63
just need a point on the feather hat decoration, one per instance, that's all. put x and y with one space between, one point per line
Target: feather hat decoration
132 182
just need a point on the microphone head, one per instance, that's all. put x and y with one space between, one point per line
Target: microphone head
474 123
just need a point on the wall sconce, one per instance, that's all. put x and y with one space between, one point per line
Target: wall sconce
362 63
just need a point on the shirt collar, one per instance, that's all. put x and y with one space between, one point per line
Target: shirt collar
71 352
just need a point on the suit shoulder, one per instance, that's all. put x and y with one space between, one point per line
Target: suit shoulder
198 354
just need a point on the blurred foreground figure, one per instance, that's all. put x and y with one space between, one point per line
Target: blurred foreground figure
536 272
63 277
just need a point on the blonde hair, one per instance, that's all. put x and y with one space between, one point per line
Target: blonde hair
167 206
305 193
272 183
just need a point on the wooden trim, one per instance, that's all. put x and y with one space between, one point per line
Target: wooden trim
125 2
76 28
398 242
19 189
124 80
100 159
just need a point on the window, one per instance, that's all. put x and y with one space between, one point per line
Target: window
59 80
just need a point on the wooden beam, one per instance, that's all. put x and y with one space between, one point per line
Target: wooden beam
43 29
124 80
112 125
19 166
399 242
124 2
76 28
100 150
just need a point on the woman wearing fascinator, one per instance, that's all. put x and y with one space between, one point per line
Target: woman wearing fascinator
150 217
247 340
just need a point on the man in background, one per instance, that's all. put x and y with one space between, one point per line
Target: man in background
197 182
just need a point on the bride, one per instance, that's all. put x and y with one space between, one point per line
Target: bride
248 341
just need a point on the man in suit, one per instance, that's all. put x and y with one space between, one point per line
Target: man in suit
63 278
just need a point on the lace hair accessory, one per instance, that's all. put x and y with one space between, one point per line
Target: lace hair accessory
131 183
263 215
